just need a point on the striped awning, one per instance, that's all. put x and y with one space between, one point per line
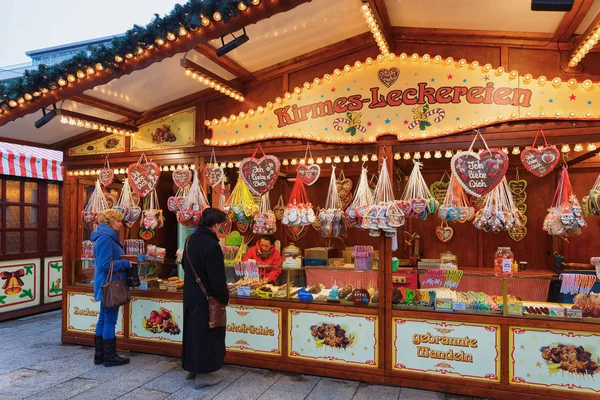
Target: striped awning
30 162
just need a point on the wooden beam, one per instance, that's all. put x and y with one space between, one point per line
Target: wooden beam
189 64
105 105
571 20
265 10
224 62
472 37
577 160
379 10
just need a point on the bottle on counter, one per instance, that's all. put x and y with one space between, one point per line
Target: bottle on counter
503 262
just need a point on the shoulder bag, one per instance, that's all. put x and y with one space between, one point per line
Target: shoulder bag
217 313
114 293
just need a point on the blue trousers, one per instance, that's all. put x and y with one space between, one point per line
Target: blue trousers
107 321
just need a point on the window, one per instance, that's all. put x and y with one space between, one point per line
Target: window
30 220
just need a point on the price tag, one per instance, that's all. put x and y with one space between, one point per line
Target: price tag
507 265
360 297
459 305
143 286
443 304
243 291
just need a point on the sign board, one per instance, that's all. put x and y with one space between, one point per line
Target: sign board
156 319
174 130
253 329
83 311
106 145
53 281
19 284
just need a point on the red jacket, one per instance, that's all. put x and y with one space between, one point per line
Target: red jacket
275 260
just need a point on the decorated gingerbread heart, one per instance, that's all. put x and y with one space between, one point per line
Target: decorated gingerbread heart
111 200
213 175
388 76
521 207
519 198
344 187
540 162
438 190
182 177
479 174
242 226
309 173
444 233
296 232
106 176
261 174
517 233
517 186
143 177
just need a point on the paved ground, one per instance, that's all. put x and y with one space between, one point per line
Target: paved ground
34 365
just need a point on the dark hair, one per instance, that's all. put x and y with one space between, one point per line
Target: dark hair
270 238
212 216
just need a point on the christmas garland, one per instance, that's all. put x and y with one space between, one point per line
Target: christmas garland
181 20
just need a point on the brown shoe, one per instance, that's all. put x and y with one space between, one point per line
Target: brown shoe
203 380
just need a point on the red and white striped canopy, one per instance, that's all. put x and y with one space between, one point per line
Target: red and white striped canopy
30 162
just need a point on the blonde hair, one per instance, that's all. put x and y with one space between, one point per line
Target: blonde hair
109 216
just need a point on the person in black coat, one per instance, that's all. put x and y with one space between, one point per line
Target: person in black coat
203 350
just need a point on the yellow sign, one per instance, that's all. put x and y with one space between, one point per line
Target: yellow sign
175 130
108 144
410 97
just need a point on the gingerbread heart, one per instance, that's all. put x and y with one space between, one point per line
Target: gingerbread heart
143 177
296 232
213 175
438 190
182 177
133 213
345 201
517 233
540 162
106 176
344 187
172 204
317 224
135 198
517 187
418 205
111 200
521 207
406 207
261 174
278 210
242 226
519 198
477 202
309 173
388 76
225 229
444 233
479 174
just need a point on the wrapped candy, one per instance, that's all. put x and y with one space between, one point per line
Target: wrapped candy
264 221
299 211
332 216
241 203
363 199
385 214
499 212
417 201
565 217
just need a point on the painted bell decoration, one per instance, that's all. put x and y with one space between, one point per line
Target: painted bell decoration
13 283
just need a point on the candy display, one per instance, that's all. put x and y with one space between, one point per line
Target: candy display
565 216
570 358
385 213
503 262
449 278
331 217
87 250
576 283
448 261
363 199
589 304
499 212
474 301
417 201
95 205
134 247
264 222
299 211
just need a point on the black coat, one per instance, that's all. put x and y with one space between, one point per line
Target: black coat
203 349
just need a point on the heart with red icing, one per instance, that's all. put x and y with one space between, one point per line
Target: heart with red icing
309 173
106 176
143 177
213 175
261 174
479 174
540 162
182 177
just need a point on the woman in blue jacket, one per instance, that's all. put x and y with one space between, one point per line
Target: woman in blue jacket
107 248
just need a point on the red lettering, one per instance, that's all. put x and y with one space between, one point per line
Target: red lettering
295 112
489 89
339 105
428 92
394 98
409 92
355 102
501 96
442 95
283 117
322 109
458 91
518 93
304 111
376 101
474 95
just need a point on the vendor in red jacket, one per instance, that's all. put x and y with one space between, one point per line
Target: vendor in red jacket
265 253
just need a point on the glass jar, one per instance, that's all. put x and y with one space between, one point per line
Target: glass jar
503 262
448 261
291 257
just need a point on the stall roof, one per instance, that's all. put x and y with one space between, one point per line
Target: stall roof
276 37
30 162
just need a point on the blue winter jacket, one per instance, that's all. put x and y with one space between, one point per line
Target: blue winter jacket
107 247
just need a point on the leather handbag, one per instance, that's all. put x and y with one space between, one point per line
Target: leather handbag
114 292
217 312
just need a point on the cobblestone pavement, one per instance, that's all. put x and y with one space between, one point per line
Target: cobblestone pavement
34 365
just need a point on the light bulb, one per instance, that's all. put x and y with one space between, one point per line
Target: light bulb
417 155
294 161
516 150
193 167
427 155
591 147
448 154
217 16
578 147
71 78
242 6
229 164
328 160
319 160
505 150
355 158
311 161
337 159
346 159
438 154
365 157
302 161
64 120
285 162
565 148
397 156
374 157
407 156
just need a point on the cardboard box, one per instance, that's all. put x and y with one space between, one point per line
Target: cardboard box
347 256
322 253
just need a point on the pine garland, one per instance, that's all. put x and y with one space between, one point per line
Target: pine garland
33 83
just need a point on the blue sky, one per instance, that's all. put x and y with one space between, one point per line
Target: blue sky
34 24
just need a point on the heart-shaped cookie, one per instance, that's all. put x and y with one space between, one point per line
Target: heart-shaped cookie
111 200
296 232
213 175
182 177
133 213
418 205
540 162
438 190
261 174
317 224
388 76
143 177
479 174
519 198
477 202
242 226
521 207
345 201
224 229
517 187
106 176
135 198
309 173
344 187
444 233
517 233
172 204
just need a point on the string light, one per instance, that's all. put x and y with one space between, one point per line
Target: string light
448 154
319 160
285 162
311 161
585 47
328 160
407 155
565 148
294 161
336 159
364 158
374 157
591 147
397 156
427 155
505 150
375 30
355 158
417 155
516 150
578 147
346 159
207 81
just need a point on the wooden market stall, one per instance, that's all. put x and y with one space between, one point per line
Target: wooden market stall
361 100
